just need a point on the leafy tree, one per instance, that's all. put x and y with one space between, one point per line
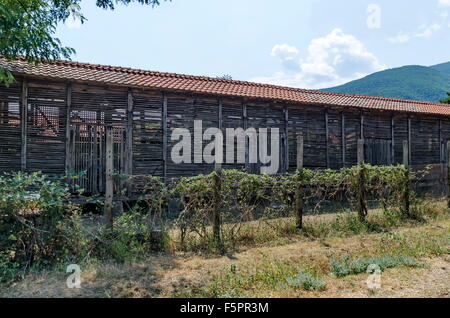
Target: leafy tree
447 100
28 27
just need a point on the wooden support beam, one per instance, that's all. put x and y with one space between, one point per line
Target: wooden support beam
300 152
68 129
24 124
407 185
299 202
109 186
361 126
220 115
406 161
164 130
392 140
360 150
286 138
448 174
217 206
343 140
129 140
409 141
360 155
247 145
327 141
441 155
244 116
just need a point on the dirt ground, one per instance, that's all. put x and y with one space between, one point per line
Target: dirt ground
164 275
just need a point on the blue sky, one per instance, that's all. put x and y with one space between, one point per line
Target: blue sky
299 43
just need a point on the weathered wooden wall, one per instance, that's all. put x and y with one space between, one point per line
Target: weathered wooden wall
65 130
10 128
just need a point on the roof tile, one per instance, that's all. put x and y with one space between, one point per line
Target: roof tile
68 70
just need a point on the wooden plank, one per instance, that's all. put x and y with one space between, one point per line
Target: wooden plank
164 136
24 125
109 190
68 108
344 139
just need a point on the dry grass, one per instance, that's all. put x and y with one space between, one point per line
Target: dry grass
262 268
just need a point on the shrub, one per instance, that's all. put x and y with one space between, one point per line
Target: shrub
346 266
130 238
37 226
306 281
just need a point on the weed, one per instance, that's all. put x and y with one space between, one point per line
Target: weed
306 281
346 266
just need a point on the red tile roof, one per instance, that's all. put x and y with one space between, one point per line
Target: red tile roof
103 74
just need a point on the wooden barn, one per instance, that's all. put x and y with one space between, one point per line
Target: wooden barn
54 119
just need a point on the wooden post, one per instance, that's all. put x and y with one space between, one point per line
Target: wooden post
361 126
300 149
361 194
392 140
217 202
24 125
442 157
286 138
327 142
220 115
299 204
406 154
109 191
68 130
164 131
343 141
246 144
448 174
409 141
360 154
128 153
407 182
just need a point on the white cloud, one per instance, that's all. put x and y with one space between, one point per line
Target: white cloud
287 54
400 38
331 60
427 30
423 31
284 51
